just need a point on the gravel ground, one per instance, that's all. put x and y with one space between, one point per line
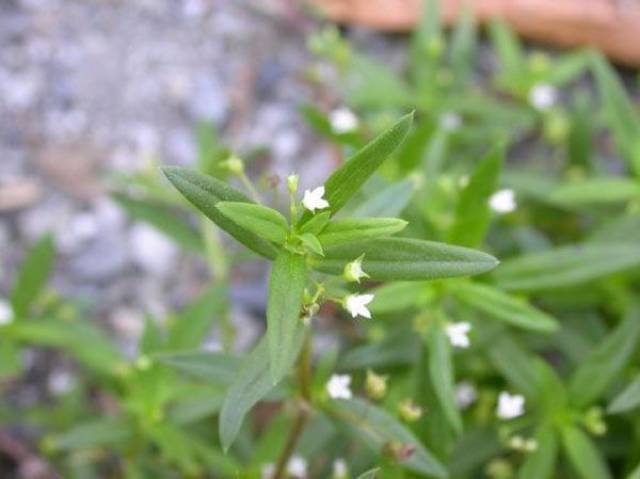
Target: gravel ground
91 87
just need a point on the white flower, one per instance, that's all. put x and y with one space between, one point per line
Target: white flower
267 471
60 382
459 334
356 304
338 386
451 121
6 313
353 270
313 200
510 405
503 201
297 467
343 120
466 394
542 97
340 470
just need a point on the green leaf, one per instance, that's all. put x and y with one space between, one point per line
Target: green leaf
316 224
163 219
472 212
463 47
595 191
349 178
190 327
398 296
10 359
442 376
567 266
378 429
34 273
622 118
635 474
406 259
253 382
205 192
541 463
260 220
286 289
370 474
311 243
400 348
510 54
218 368
95 433
498 305
389 201
606 361
628 399
584 455
515 364
349 230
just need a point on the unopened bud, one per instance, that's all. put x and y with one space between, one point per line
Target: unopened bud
376 385
292 183
234 164
409 411
594 423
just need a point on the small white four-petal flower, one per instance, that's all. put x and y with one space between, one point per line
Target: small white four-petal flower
340 469
510 405
466 394
343 120
297 467
353 270
458 334
313 199
543 96
503 201
6 313
356 304
339 386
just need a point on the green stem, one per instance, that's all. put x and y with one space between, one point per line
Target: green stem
250 188
306 379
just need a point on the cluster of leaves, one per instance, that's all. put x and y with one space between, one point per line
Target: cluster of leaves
557 322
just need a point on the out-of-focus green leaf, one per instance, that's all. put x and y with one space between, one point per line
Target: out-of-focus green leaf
370 474
95 433
472 212
580 140
378 429
10 359
260 220
350 230
498 305
218 368
621 229
628 399
349 178
286 289
635 474
400 348
584 455
509 50
190 327
253 382
516 364
33 275
389 201
595 191
406 259
603 366
567 266
442 376
463 46
163 219
398 296
205 192
541 463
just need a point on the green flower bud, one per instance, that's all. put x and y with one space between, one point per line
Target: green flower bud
409 411
376 385
234 164
292 183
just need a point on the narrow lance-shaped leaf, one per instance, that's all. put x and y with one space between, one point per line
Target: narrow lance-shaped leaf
406 259
33 276
567 266
286 290
348 179
260 220
205 192
217 368
498 305
370 474
541 463
349 230
584 455
253 382
378 429
606 361
442 375
628 399
515 364
472 212
595 191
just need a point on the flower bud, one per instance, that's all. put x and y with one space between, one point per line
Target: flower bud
292 183
409 411
234 164
353 270
594 423
376 385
